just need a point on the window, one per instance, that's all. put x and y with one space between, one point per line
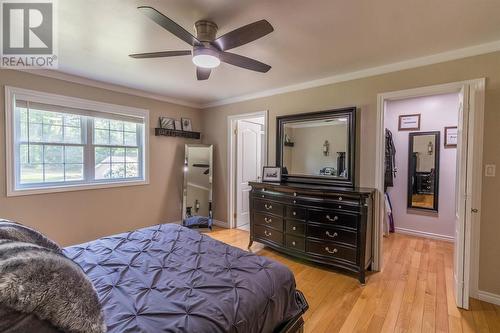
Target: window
58 143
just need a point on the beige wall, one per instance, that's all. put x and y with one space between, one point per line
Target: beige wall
363 94
74 217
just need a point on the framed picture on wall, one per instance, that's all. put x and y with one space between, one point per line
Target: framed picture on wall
450 136
186 124
409 122
167 123
178 125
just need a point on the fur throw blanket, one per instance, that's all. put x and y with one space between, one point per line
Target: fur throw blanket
18 232
40 281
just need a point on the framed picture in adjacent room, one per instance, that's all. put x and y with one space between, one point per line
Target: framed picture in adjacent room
409 122
450 136
186 124
167 123
178 125
271 174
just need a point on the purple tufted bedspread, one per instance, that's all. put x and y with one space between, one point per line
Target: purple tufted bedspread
168 278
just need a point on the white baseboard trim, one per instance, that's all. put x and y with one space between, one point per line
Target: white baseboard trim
487 297
424 234
221 224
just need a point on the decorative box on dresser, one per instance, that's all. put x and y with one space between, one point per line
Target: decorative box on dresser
321 223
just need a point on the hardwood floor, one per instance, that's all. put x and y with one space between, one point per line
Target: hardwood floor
413 294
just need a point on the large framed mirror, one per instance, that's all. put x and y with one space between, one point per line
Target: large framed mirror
318 147
423 170
197 189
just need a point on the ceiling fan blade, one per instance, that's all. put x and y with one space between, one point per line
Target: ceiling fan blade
160 54
169 25
244 62
203 73
244 35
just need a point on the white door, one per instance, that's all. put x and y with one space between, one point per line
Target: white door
463 202
248 166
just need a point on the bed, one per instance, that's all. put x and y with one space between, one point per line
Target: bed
168 278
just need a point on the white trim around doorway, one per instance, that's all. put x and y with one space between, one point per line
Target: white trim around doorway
231 158
472 232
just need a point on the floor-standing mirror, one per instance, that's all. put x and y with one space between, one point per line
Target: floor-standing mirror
197 190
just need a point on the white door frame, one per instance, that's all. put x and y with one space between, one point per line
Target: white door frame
476 124
231 158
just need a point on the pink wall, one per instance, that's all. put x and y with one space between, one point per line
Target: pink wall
436 112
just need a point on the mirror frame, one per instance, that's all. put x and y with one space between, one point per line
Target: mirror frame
437 136
185 181
350 113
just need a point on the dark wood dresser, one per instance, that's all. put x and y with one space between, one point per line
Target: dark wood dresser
325 224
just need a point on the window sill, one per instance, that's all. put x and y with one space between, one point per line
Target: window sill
70 188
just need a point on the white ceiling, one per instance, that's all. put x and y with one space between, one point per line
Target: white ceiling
312 40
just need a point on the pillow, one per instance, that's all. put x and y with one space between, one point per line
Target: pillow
37 281
18 232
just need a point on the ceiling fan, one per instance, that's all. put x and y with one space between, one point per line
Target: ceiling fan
208 51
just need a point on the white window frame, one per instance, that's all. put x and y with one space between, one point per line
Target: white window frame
13 93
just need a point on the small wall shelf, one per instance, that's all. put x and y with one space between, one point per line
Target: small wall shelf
183 134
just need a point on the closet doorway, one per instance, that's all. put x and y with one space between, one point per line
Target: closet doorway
247 155
456 148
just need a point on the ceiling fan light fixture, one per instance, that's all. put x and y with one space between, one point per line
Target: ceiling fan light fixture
206 61
205 57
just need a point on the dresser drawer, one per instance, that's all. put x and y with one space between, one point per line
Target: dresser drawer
331 250
332 234
295 243
271 221
268 207
295 212
333 218
295 227
268 234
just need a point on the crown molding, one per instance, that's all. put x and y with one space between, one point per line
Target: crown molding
373 71
108 86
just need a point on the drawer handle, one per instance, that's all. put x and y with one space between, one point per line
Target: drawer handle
294 194
293 243
262 196
267 233
294 228
268 220
330 235
327 249
340 207
294 213
268 207
335 218
340 198
294 201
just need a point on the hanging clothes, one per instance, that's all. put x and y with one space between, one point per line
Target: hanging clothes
390 174
390 160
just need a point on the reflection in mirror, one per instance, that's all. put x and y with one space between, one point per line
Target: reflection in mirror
317 147
423 170
197 192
